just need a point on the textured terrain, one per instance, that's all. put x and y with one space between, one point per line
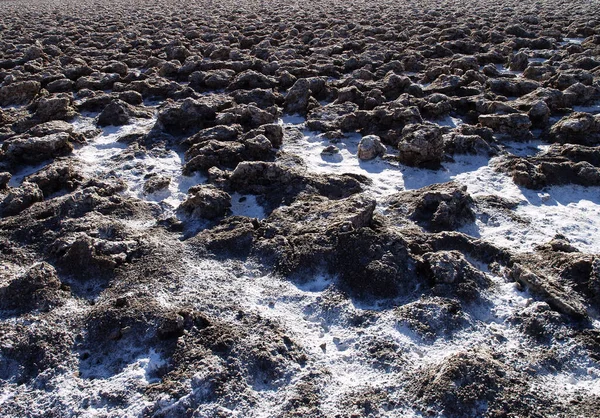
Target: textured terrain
331 209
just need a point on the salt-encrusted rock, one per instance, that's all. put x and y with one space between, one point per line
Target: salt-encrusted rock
330 150
17 93
206 201
370 147
444 206
118 113
202 156
460 382
250 79
36 149
58 107
558 297
20 198
258 147
297 98
216 133
467 144
156 184
56 176
191 114
515 124
421 144
577 128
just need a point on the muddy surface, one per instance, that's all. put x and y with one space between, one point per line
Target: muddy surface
325 209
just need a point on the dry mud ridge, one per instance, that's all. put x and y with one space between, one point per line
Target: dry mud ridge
325 209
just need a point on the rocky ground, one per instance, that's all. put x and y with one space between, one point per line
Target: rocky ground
326 209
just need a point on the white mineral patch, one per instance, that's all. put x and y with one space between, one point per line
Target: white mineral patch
246 205
102 156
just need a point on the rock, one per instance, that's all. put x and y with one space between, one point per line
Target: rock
63 85
191 114
33 150
19 93
202 156
261 97
118 113
258 148
250 79
85 256
370 147
116 67
156 184
4 179
330 150
297 98
232 236
38 288
518 62
331 117
220 133
467 144
539 114
206 202
577 128
421 144
59 107
57 176
462 381
20 198
516 125
438 207
452 274
558 297
52 127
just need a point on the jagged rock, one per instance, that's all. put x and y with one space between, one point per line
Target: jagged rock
467 144
515 124
297 98
258 147
370 147
57 176
53 108
215 133
118 113
438 207
577 128
250 80
19 93
156 184
539 114
205 155
206 201
558 297
20 198
421 144
191 114
32 150
518 62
